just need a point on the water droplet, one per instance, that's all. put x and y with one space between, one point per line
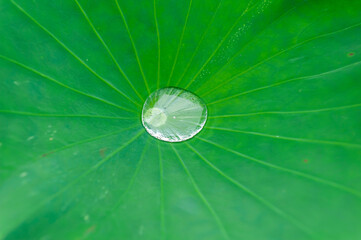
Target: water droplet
30 138
173 114
86 218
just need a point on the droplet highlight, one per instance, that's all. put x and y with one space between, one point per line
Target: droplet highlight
173 114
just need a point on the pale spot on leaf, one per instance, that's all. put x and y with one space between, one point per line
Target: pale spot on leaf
30 138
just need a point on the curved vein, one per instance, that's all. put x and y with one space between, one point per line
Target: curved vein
285 81
291 171
131 182
61 115
277 54
265 202
180 42
133 45
248 8
95 167
289 112
109 52
92 169
201 196
158 42
344 144
63 85
71 52
162 220
86 141
199 43
237 54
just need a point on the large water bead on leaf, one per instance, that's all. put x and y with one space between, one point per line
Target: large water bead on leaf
173 114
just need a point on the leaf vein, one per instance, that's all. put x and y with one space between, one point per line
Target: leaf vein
291 171
252 193
277 54
62 84
71 52
109 51
133 45
283 82
180 41
201 196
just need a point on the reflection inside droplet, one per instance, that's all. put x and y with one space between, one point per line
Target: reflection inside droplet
173 114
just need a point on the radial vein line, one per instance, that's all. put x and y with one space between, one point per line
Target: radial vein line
294 172
158 42
289 112
131 182
237 54
100 163
180 42
92 169
63 85
199 43
133 45
290 138
162 220
248 8
201 196
61 115
88 140
277 54
265 202
70 51
96 166
109 52
283 82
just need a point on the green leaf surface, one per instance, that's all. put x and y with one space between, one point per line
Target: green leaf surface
278 158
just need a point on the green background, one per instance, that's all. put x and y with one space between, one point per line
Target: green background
279 157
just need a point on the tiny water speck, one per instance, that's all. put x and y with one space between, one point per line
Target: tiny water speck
173 114
30 138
